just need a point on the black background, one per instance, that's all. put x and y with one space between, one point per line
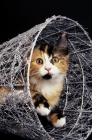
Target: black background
18 16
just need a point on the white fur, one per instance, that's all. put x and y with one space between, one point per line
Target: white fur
60 122
47 64
43 111
49 86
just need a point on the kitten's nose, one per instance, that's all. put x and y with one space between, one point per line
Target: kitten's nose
48 69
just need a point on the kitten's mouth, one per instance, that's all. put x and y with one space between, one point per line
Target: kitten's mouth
47 76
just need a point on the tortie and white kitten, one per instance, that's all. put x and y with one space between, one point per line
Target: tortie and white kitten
49 65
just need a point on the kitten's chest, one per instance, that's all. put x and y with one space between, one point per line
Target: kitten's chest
51 91
49 88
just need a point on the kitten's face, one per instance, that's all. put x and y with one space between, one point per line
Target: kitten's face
50 61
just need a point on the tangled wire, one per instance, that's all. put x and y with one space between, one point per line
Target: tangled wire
17 112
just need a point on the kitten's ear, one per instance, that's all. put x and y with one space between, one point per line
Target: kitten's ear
62 44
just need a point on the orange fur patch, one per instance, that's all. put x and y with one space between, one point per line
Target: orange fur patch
40 105
53 118
63 63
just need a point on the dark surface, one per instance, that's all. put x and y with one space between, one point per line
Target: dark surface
18 16
10 136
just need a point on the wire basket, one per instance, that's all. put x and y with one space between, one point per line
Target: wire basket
17 112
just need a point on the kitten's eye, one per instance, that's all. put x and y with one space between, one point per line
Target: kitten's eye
55 60
39 61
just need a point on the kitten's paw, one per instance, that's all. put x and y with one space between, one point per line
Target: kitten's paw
41 104
60 122
43 111
57 119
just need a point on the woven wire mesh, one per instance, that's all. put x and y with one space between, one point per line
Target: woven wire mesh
17 112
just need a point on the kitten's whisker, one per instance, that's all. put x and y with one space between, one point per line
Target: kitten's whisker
34 73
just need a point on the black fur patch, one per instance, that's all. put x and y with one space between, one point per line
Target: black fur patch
40 99
49 49
42 47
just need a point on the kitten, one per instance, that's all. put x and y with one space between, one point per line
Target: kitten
48 69
49 65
